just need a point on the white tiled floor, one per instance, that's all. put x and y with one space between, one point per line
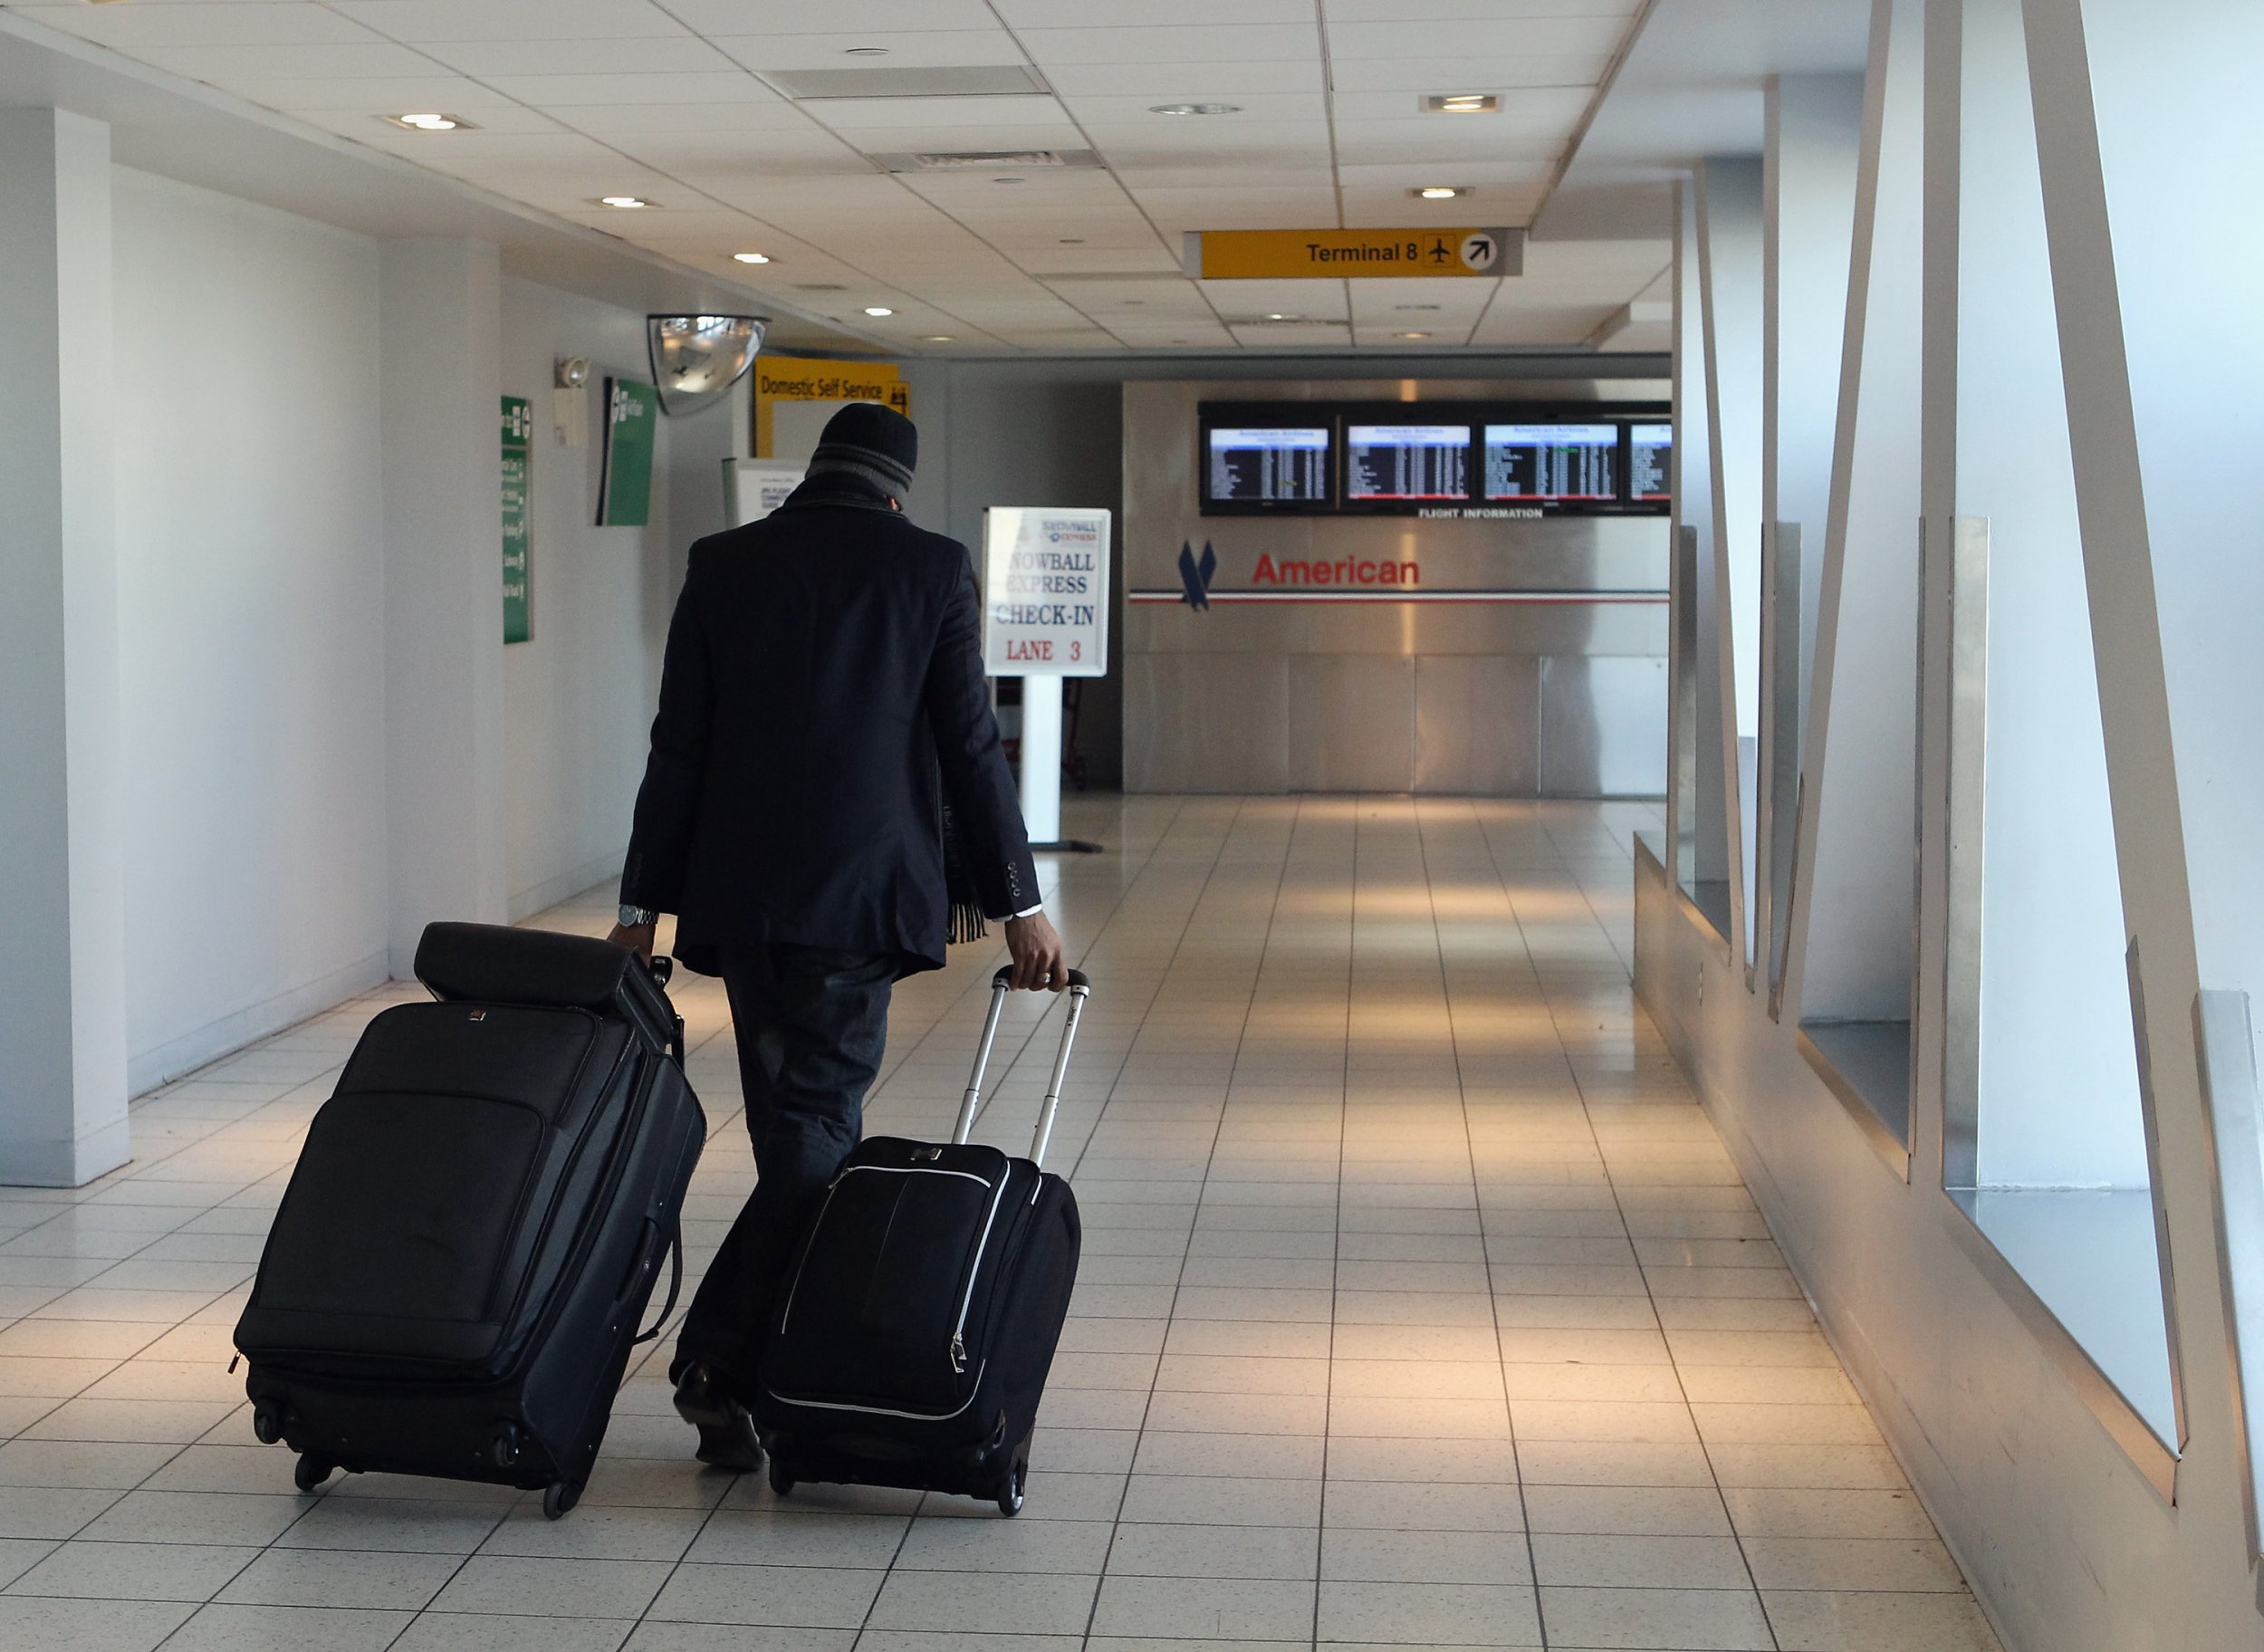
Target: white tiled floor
1420 1308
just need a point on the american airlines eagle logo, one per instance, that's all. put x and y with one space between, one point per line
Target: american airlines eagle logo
1195 577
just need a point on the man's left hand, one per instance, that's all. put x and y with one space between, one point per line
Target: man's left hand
637 937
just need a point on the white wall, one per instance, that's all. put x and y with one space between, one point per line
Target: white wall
251 618
577 697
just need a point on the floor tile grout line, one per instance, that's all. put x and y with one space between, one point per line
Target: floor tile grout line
1336 1234
1116 1523
1705 1451
1485 1253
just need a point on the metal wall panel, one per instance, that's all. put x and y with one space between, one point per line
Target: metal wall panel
1603 726
1197 723
1351 722
1382 695
1477 726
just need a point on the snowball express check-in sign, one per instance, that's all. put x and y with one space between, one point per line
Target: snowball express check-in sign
1045 593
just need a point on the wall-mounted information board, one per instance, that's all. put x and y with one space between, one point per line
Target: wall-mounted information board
1433 458
518 425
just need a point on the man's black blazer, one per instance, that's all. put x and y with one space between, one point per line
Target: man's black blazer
823 664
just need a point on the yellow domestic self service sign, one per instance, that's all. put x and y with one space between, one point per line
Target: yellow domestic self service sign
1294 254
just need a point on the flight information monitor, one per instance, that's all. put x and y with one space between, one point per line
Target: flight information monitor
1267 465
1571 464
1389 463
1651 463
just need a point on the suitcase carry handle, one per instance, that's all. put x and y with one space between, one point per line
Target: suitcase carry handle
971 1105
645 1263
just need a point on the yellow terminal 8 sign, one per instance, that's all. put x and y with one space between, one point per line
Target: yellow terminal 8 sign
1298 254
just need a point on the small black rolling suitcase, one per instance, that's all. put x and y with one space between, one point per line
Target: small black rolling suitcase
455 1277
913 1341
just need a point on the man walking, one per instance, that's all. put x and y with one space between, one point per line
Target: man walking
824 733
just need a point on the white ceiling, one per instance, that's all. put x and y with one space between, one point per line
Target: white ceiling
666 99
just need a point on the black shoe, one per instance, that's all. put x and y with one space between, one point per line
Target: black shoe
728 1437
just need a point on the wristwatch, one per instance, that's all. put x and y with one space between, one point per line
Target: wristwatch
634 918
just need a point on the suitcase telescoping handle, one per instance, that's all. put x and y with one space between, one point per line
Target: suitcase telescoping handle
971 1105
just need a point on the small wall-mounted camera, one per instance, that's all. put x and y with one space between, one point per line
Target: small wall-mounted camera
569 402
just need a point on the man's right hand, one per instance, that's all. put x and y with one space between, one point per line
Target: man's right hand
1039 959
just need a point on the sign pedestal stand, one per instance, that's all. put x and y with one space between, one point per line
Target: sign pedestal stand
1042 768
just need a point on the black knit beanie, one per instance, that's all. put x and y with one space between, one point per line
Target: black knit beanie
869 440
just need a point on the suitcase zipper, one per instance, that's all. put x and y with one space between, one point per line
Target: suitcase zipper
974 1271
786 1315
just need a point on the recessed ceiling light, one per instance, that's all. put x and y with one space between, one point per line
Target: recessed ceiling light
1194 109
1437 192
864 51
1461 103
1410 335
626 203
936 338
878 310
1276 315
430 122
751 257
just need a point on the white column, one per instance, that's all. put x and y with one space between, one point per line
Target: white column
442 372
1814 130
1856 893
1698 813
1041 758
62 971
1729 197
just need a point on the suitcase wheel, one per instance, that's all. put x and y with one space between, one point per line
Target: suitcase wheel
781 1481
310 1471
267 1423
503 1449
1011 1489
557 1497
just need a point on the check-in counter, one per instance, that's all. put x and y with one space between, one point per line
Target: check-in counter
1483 653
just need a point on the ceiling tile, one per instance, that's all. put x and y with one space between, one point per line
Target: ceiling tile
910 49
1215 43
1417 13
244 65
1094 14
1540 324
493 59
721 123
1546 112
1413 76
394 94
1242 300
748 155
1186 82
1498 40
364 123
931 113
1257 108
141 29
721 17
433 20
564 91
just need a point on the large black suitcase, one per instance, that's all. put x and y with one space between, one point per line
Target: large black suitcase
453 1279
912 1345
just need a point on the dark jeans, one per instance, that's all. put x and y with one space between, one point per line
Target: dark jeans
812 1025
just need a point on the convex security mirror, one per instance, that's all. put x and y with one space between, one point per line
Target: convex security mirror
697 358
